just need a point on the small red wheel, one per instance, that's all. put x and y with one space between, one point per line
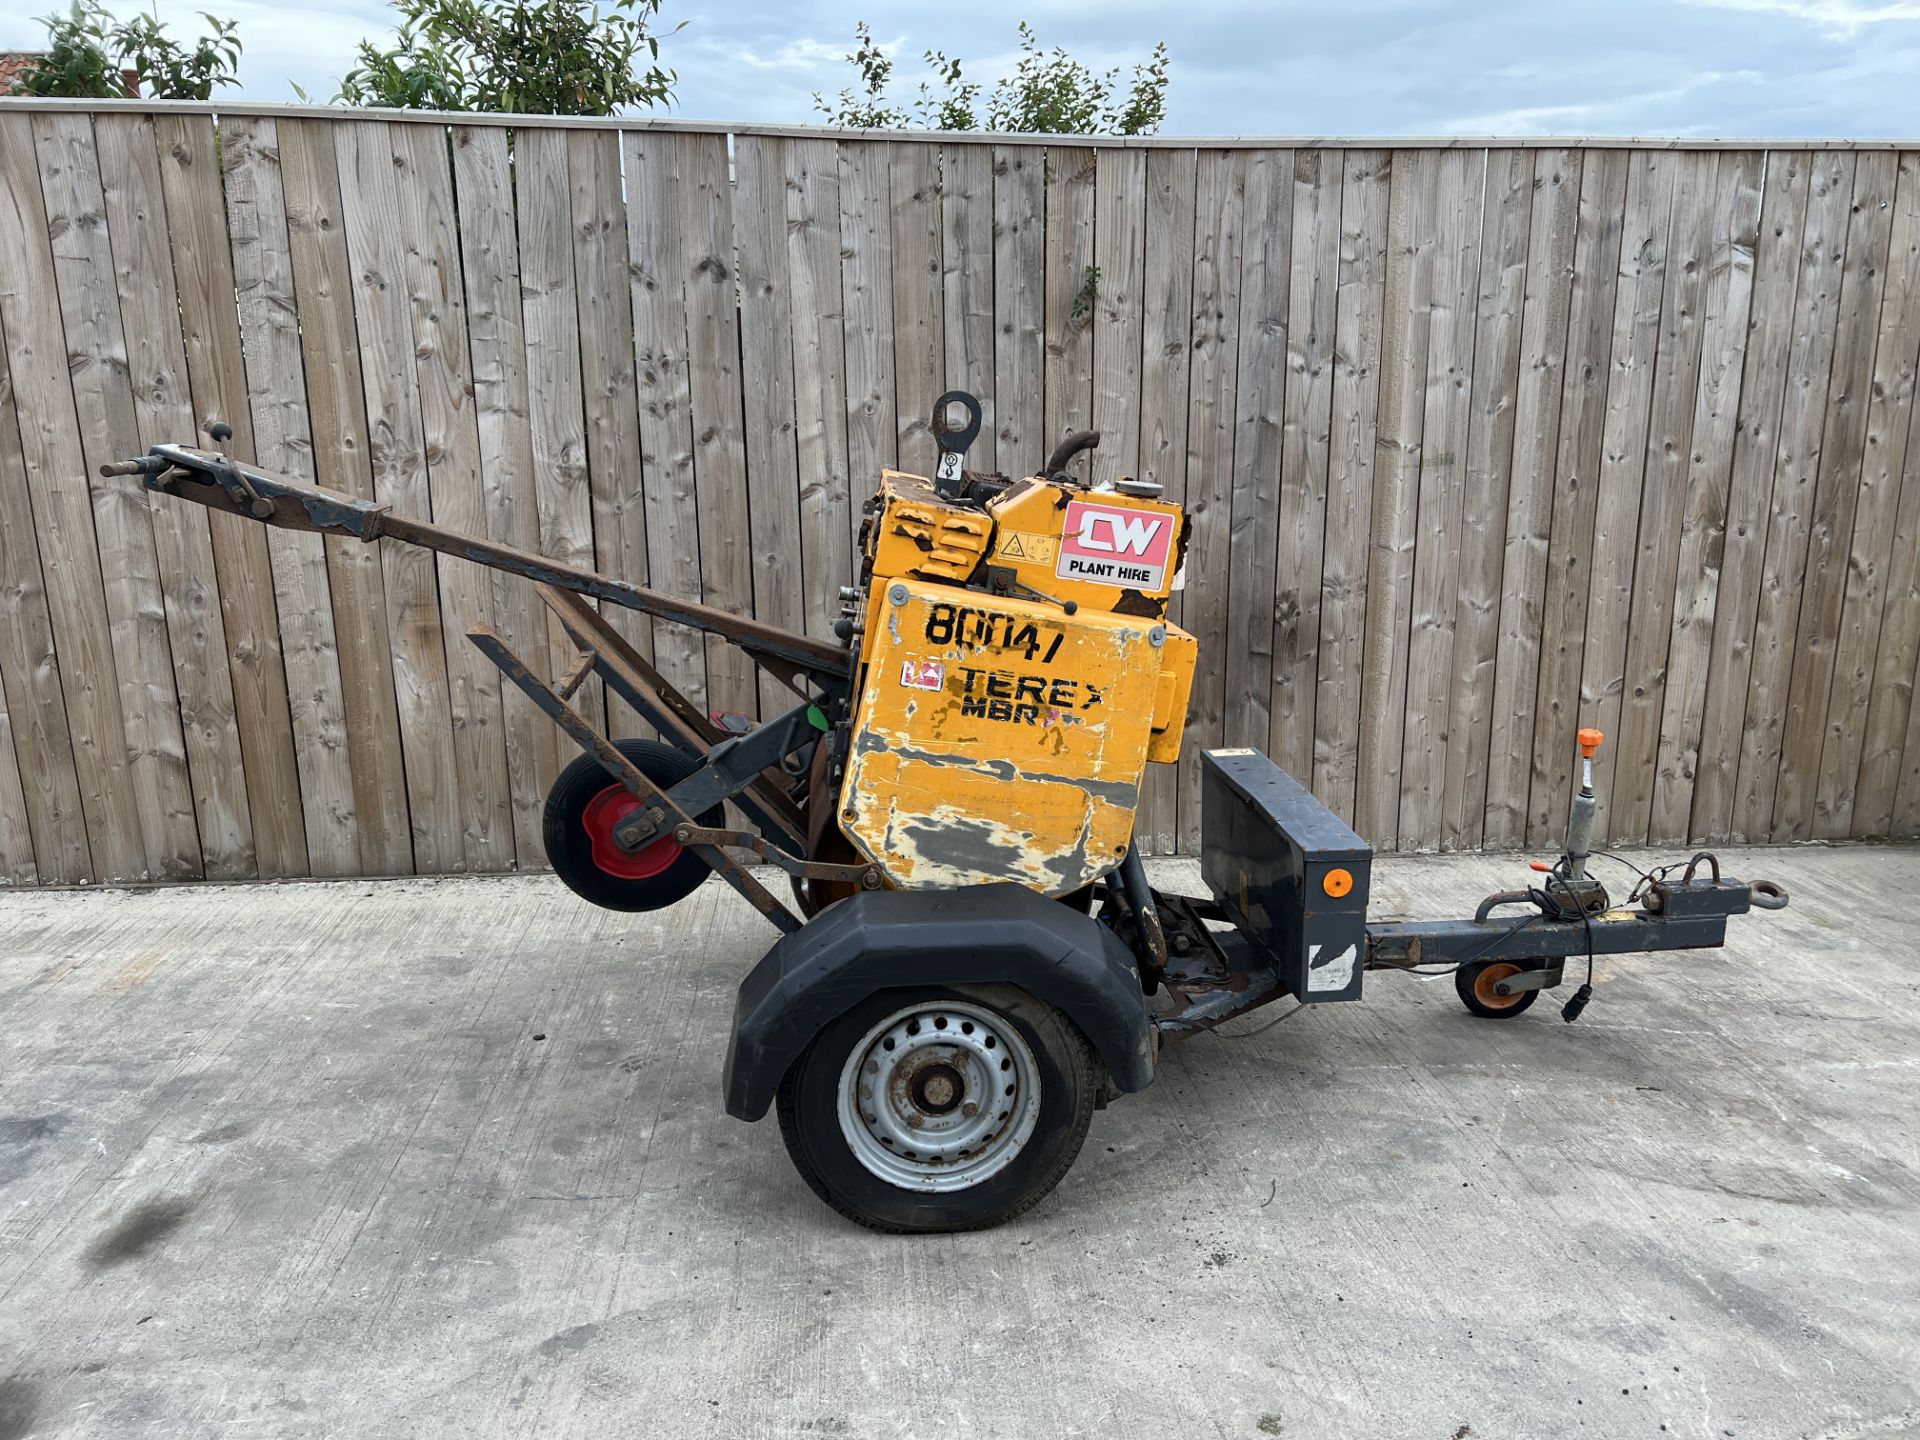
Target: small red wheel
605 811
1475 984
585 807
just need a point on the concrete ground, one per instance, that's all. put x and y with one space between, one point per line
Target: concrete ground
448 1158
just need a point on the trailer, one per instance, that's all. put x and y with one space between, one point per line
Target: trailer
971 959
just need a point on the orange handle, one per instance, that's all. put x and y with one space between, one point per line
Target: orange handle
1541 866
1589 742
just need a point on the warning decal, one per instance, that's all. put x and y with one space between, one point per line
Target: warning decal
1111 545
1027 545
923 674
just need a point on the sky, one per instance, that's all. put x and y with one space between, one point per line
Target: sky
1690 68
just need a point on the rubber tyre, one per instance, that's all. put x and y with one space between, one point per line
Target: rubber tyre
807 1105
1470 980
570 845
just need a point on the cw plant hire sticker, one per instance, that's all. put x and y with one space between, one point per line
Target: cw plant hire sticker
1111 545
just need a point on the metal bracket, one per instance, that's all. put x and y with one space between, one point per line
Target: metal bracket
495 648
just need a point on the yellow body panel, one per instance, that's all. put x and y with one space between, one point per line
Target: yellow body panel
997 739
1031 536
916 532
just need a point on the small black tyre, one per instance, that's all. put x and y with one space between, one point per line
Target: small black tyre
929 1110
582 809
1475 982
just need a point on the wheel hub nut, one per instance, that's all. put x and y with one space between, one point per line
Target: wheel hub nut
937 1089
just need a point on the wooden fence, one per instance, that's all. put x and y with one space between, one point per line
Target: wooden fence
1482 441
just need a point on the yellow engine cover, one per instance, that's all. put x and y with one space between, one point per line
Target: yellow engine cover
999 739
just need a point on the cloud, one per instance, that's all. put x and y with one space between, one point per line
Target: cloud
800 54
1838 19
1614 116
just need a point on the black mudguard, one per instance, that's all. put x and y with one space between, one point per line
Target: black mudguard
893 938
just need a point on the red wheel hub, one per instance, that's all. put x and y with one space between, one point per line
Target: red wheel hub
603 813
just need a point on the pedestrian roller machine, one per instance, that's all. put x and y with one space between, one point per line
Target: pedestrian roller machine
971 959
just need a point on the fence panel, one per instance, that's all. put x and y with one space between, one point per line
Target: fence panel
1481 441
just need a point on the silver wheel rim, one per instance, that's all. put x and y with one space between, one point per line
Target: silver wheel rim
939 1096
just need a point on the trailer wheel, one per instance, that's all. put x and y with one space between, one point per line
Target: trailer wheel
945 1109
585 805
1475 983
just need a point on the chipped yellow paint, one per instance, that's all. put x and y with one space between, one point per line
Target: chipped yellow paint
1000 739
915 531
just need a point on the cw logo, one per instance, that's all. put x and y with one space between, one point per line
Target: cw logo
1126 534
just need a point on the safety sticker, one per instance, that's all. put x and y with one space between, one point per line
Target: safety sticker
1111 545
1027 545
923 674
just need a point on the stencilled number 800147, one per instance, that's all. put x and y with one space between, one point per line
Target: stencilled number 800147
990 630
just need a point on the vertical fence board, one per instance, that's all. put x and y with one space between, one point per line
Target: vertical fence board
1877 495
1165 338
1843 441
156 364
1219 195
1906 804
336 409
1396 493
919 343
1072 290
1755 446
866 289
452 438
1441 524
1639 309
1600 263
719 453
1305 441
773 477
1120 254
1776 617
657 253
1890 706
1707 464
217 379
122 517
55 479
966 283
276 385
616 520
1019 309
1366 179
1266 259
397 454
42 747
496 341
556 397
1546 305
1663 497
17 865
1492 416
819 378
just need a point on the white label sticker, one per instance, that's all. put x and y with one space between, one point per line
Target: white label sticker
1334 974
